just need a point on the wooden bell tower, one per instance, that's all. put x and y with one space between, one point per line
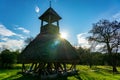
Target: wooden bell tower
51 57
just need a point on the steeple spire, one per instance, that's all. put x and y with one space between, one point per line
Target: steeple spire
50 2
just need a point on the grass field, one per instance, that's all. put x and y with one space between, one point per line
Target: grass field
85 73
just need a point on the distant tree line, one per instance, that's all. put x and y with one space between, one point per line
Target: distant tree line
95 58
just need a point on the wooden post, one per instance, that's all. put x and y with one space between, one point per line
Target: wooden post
35 67
23 67
74 67
64 65
58 23
42 23
49 67
31 67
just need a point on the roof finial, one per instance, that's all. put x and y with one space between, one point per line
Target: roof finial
50 2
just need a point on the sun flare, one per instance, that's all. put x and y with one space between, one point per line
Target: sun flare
63 35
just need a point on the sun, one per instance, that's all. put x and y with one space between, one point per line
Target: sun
64 35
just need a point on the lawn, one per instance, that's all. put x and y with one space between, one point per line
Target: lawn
85 73
95 73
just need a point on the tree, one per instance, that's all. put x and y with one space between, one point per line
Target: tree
85 56
8 58
107 33
97 58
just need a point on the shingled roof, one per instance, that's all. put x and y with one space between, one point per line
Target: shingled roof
49 48
50 13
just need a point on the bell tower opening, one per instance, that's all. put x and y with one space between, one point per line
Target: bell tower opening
49 21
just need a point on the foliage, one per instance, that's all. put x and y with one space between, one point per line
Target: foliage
98 58
85 56
95 58
8 58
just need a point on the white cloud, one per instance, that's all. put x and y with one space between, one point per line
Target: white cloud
4 38
5 32
116 16
97 47
24 30
8 39
82 41
21 36
12 44
37 9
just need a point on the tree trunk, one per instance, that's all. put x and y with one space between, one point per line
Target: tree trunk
114 69
112 58
114 63
90 65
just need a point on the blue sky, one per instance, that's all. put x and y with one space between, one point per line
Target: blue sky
19 18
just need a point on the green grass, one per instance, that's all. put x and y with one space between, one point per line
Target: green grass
85 73
96 73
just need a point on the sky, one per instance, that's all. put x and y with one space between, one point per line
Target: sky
19 19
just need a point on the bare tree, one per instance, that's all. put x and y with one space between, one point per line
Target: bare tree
107 33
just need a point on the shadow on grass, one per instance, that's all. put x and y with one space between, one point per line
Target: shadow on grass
27 77
85 76
104 70
30 77
77 77
21 77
